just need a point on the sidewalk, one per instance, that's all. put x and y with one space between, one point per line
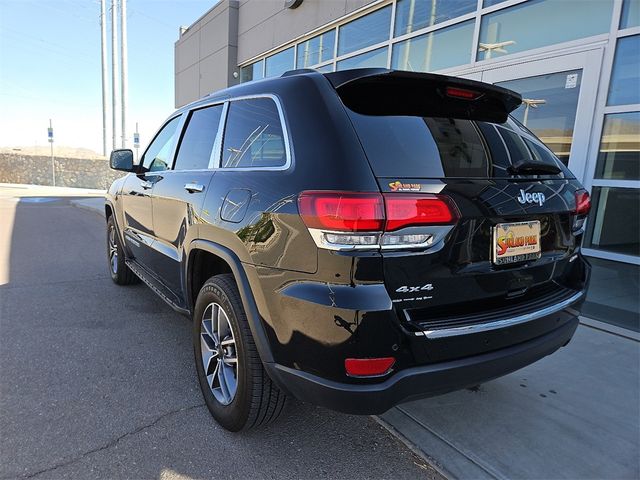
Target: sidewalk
574 414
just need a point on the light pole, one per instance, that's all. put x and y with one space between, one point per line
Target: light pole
123 69
114 72
103 44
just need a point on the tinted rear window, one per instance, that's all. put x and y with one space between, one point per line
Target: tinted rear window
426 147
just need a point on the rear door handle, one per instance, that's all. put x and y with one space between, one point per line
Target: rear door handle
146 185
193 187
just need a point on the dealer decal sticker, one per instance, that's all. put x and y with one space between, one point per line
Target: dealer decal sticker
398 186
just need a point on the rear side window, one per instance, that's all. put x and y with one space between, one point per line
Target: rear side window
196 146
253 136
427 147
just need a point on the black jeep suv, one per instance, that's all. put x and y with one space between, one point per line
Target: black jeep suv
355 239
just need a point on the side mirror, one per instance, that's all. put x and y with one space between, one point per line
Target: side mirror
122 160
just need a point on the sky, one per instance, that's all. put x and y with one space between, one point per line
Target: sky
50 69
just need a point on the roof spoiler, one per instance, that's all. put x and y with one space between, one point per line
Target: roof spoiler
378 91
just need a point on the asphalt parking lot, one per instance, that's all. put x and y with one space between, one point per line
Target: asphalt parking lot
97 381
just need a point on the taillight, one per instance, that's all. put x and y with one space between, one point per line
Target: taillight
583 202
368 367
347 220
408 210
342 211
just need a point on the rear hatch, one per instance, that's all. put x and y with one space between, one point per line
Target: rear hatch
512 249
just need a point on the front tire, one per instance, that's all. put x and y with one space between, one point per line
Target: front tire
237 390
120 273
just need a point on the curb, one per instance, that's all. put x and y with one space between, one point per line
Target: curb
413 447
98 210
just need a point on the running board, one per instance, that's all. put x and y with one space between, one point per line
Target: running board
154 284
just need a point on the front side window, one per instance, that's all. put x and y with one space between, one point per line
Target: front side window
253 136
156 158
196 146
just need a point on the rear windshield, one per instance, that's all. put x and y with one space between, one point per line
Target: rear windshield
426 147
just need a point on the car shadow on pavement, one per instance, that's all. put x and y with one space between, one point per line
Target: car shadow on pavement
97 381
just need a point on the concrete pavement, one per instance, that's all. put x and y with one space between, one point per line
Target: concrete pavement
97 381
571 415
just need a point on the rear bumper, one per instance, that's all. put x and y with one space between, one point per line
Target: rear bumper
423 381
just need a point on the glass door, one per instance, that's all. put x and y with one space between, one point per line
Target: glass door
558 101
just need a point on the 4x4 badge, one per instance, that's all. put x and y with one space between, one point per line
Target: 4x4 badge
406 289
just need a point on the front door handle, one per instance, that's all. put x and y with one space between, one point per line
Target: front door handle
146 184
193 187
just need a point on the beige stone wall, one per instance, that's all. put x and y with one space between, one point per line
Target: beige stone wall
70 172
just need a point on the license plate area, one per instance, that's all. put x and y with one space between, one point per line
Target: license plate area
516 242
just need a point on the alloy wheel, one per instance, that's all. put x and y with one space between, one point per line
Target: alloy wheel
113 250
219 354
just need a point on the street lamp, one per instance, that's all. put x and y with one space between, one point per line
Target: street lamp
530 103
498 47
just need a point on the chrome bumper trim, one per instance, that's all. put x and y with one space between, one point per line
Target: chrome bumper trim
507 322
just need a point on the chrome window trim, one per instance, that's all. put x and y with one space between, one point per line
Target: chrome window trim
498 324
216 153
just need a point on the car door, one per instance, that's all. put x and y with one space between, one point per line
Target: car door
179 195
137 191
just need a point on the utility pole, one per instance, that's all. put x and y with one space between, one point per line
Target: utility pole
114 71
123 68
103 38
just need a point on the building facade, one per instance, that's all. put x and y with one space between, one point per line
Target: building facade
575 62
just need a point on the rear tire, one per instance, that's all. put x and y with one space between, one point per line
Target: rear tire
120 273
237 390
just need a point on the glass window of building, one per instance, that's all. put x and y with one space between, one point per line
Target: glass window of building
253 135
252 72
364 31
539 23
614 224
625 76
491 3
613 293
196 146
316 50
549 108
326 68
412 15
279 63
437 50
619 155
630 14
372 59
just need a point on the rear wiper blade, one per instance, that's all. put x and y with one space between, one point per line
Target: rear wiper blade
531 167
